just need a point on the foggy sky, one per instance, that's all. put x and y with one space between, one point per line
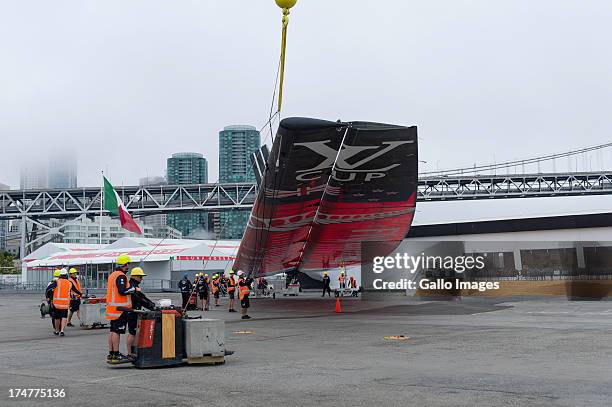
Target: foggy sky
126 83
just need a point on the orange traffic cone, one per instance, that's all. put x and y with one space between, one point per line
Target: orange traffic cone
338 309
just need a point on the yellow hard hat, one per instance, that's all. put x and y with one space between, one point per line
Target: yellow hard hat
215 275
137 271
231 271
325 273
72 270
205 275
123 259
56 273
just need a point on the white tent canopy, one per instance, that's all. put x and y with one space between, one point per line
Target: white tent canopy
139 249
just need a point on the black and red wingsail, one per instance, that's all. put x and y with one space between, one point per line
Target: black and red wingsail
318 201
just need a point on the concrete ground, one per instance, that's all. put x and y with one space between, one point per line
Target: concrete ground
477 352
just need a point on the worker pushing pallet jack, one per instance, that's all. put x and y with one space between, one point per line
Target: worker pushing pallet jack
159 336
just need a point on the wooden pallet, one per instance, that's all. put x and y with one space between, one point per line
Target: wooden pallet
207 360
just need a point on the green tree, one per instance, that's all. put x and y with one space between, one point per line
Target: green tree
6 263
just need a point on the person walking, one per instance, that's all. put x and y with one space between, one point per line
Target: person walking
326 284
209 286
216 287
342 280
244 287
75 303
231 290
185 286
63 291
203 288
49 298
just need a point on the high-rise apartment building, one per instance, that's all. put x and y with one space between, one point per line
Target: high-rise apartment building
62 173
236 144
33 176
187 168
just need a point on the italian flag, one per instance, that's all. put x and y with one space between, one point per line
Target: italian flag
114 205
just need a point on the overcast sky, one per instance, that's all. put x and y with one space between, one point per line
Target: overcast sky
126 83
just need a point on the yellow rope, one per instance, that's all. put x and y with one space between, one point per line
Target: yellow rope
282 64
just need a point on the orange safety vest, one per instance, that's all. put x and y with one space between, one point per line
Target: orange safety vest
231 285
77 284
61 293
244 290
114 300
215 286
341 278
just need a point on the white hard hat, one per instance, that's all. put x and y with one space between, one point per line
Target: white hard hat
240 272
63 272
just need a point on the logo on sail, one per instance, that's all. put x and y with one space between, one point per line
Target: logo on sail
343 170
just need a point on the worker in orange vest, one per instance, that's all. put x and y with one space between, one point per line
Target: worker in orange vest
342 280
216 287
231 290
49 297
118 301
139 300
63 291
244 287
75 303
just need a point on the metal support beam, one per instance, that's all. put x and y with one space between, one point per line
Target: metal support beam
514 186
32 206
143 201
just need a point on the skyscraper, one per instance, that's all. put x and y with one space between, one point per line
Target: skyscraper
33 176
187 168
58 171
62 173
236 144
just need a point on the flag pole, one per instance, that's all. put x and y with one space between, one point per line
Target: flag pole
101 209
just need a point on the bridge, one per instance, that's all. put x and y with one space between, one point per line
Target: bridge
152 200
139 200
33 206
448 188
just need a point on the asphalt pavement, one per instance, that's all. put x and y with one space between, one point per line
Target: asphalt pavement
299 352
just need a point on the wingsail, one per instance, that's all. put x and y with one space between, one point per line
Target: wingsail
326 188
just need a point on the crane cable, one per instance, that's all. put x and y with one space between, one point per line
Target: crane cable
285 5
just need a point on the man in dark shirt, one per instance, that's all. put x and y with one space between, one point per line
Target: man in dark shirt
326 284
185 286
203 288
139 300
